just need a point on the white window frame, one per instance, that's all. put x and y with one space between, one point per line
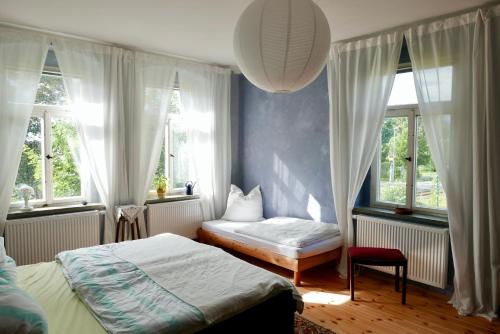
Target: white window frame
411 111
46 113
168 142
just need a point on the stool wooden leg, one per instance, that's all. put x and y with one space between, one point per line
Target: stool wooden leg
348 271
133 231
117 231
353 268
123 232
137 227
405 279
397 278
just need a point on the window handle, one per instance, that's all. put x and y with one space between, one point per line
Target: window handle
408 159
48 156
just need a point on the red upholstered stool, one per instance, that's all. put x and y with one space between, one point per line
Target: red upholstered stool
377 257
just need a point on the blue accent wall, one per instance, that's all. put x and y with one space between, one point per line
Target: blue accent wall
284 147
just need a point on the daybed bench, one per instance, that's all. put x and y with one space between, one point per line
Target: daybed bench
224 233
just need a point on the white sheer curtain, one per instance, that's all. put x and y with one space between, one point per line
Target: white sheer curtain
360 78
22 55
154 80
94 79
456 70
205 94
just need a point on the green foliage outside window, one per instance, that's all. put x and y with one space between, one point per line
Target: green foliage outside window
160 169
30 167
65 172
429 190
394 193
176 154
393 166
180 163
51 91
393 152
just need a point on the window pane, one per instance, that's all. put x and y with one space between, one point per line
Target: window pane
161 168
393 151
177 156
30 170
403 91
174 107
429 191
180 159
51 90
65 173
439 82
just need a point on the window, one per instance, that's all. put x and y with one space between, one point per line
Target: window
174 156
50 153
403 173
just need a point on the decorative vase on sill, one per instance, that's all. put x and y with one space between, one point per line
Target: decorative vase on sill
161 194
26 192
161 184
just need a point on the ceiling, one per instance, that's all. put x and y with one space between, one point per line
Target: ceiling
203 29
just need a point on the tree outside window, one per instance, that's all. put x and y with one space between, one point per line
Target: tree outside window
49 161
404 173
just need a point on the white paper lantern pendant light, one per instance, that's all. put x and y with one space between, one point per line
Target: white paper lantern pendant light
281 45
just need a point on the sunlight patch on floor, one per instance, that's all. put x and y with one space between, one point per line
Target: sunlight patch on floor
326 298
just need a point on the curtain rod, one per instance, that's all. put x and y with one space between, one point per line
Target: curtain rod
418 22
118 45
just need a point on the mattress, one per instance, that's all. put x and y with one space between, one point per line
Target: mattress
227 229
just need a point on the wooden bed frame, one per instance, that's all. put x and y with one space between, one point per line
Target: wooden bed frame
275 315
295 265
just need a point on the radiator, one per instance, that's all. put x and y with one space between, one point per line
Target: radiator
180 217
39 239
425 247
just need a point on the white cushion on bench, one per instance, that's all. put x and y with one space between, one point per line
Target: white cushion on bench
293 232
227 229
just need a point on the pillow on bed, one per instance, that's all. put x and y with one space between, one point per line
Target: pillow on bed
7 264
8 267
241 208
2 251
19 313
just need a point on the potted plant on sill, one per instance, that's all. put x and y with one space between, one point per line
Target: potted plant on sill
161 185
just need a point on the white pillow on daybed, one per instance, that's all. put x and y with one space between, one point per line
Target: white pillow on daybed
241 208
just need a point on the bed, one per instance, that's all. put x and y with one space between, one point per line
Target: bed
216 304
227 234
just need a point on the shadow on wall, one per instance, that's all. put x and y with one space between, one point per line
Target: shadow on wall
284 147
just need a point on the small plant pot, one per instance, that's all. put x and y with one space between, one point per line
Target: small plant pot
161 194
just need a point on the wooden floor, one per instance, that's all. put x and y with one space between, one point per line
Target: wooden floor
377 308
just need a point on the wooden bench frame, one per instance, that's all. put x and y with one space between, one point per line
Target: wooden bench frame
295 265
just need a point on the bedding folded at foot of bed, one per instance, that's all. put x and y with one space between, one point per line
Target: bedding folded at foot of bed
122 297
294 232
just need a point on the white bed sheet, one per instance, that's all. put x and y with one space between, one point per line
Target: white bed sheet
227 229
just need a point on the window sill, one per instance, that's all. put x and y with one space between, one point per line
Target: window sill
53 210
419 218
172 198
